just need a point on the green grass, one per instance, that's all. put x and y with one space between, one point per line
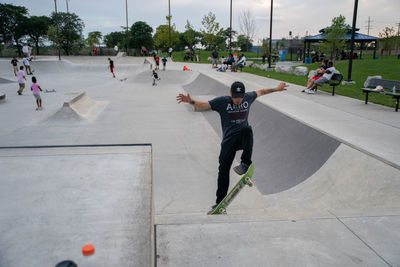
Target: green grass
204 55
388 67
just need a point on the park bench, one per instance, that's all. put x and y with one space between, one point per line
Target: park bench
386 84
335 81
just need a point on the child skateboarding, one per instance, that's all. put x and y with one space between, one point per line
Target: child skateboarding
155 77
111 66
237 133
164 62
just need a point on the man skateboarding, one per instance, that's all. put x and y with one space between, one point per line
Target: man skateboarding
237 133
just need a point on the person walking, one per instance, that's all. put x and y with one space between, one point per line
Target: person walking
237 133
21 80
14 62
35 88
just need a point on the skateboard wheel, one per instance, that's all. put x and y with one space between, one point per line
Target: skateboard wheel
249 182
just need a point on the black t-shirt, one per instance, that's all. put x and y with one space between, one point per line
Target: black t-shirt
14 62
111 64
233 118
215 54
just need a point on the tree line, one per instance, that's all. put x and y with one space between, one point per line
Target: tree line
18 27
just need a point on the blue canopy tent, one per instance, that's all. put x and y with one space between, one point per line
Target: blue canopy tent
358 38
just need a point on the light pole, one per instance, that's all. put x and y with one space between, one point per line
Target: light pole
126 29
66 1
230 30
58 38
270 36
353 29
169 24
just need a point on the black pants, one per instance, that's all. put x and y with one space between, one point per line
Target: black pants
240 141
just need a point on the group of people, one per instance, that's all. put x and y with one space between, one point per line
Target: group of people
323 75
157 61
231 60
35 87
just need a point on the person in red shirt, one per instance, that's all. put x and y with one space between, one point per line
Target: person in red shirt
157 60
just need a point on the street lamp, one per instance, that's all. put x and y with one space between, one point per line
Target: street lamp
353 30
126 29
169 24
270 36
58 38
230 30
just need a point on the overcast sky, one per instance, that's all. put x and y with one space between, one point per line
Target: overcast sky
297 16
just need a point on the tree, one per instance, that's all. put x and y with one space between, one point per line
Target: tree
141 35
243 42
161 37
191 36
70 28
13 23
94 38
37 28
114 38
388 39
223 36
247 27
335 34
211 31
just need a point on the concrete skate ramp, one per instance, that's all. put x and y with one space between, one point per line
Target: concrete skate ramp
167 77
81 108
54 200
285 153
350 183
2 80
69 68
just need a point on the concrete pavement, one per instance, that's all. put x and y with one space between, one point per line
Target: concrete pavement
341 208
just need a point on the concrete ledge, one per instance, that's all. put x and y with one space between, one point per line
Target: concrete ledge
2 98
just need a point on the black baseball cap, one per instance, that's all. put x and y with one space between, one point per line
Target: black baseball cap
237 90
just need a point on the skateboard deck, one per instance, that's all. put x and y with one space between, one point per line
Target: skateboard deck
245 180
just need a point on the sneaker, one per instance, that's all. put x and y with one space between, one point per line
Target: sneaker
212 209
241 169
19 92
309 91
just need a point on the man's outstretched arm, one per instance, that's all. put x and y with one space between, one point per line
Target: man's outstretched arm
280 87
198 105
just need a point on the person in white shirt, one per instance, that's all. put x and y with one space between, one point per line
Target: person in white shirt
170 52
116 49
240 63
326 77
25 50
27 65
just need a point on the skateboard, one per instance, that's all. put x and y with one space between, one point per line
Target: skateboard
245 180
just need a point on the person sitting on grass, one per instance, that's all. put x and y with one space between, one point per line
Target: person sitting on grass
326 77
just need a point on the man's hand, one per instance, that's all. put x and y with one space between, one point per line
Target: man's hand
281 87
198 105
183 98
